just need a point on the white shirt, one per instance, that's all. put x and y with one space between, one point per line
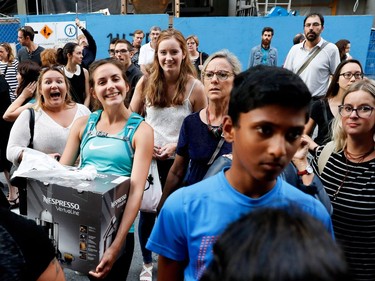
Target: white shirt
146 54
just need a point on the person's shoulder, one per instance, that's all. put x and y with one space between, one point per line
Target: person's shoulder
254 48
82 110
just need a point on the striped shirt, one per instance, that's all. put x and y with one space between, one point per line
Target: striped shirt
10 77
353 209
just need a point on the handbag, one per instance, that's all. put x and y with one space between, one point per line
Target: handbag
152 192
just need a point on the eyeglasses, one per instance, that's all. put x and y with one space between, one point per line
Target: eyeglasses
122 51
111 51
220 75
315 24
363 111
349 75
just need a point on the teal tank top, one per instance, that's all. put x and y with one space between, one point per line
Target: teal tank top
109 154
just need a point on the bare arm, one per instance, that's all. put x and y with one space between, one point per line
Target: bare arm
87 89
143 146
53 272
71 150
170 270
309 127
137 102
15 109
174 179
198 98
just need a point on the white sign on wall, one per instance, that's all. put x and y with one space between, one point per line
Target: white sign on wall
55 34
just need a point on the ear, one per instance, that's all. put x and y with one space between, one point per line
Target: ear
228 129
92 92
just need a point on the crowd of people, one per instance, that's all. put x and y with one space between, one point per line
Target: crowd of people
241 155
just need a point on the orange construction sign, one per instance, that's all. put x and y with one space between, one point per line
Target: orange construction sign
46 31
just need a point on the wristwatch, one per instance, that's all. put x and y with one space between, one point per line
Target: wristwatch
309 170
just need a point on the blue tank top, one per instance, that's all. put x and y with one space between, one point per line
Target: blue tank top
109 154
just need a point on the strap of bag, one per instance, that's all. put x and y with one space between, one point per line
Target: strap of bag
31 125
218 147
324 106
324 156
200 58
307 62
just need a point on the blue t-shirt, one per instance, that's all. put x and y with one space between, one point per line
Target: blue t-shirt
198 144
193 217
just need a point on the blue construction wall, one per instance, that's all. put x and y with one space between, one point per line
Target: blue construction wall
238 34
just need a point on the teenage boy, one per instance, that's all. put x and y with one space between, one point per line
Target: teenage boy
268 109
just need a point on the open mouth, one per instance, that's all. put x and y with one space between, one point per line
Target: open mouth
55 95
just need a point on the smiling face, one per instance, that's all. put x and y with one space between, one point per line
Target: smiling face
264 143
3 54
109 86
170 55
53 89
354 125
216 89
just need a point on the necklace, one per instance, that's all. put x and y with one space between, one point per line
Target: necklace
356 157
215 130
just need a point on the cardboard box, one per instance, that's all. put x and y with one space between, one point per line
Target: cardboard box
80 221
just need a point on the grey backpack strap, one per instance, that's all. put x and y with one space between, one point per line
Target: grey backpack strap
324 156
307 62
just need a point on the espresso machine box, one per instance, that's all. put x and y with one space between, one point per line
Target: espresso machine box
81 221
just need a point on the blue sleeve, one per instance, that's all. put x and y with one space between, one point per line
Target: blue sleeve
163 241
251 58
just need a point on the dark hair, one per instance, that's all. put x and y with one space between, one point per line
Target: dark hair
138 31
29 72
113 41
334 87
341 45
298 38
275 244
28 31
314 15
62 53
94 66
267 85
124 41
267 28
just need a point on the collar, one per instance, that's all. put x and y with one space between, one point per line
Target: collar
320 43
70 74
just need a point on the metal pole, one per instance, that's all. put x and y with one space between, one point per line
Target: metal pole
77 18
177 8
37 6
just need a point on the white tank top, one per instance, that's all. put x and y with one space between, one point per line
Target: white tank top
167 121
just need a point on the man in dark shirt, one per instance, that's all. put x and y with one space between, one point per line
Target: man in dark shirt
123 49
29 50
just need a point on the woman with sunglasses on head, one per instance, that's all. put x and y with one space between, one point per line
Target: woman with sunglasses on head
8 68
130 156
169 94
347 171
200 141
71 58
55 113
323 111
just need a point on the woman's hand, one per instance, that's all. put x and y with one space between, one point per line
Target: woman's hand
29 90
106 263
165 152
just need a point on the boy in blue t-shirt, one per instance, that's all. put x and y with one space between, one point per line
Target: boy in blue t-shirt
268 109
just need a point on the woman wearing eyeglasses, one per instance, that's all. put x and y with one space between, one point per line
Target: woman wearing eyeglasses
323 111
197 58
55 113
71 57
169 94
200 141
349 177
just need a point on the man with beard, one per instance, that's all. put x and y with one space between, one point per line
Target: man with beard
317 72
264 53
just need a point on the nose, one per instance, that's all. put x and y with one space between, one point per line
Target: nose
277 146
354 113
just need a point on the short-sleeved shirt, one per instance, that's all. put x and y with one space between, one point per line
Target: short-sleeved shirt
193 217
24 55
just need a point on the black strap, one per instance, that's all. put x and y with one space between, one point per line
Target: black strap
325 108
219 145
307 62
31 125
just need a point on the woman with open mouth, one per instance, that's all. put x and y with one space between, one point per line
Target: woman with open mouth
54 114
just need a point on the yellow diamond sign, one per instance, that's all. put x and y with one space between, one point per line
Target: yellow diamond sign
46 31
